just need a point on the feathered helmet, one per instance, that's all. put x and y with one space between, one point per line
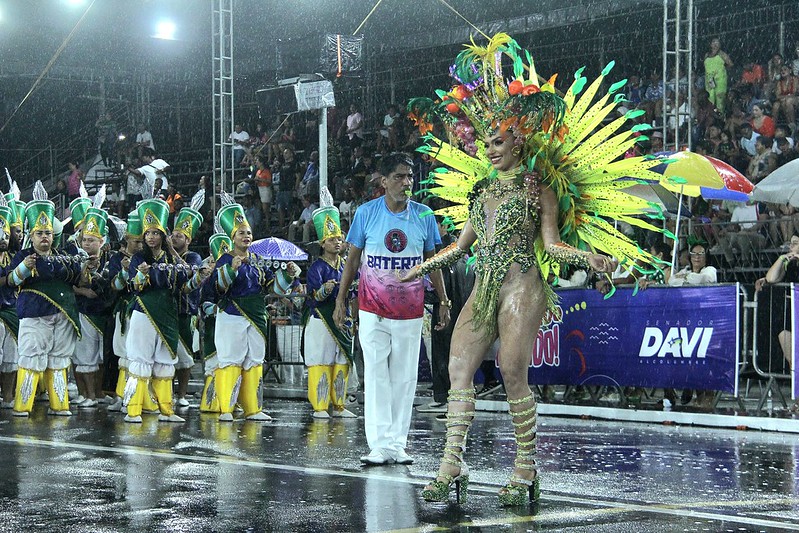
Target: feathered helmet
39 212
483 101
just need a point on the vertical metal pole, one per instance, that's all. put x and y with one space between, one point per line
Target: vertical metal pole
322 151
690 77
665 66
213 107
677 48
393 87
782 31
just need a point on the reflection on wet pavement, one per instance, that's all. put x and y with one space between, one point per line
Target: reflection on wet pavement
94 472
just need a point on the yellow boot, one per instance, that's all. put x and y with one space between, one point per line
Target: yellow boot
27 381
162 387
250 394
133 397
210 400
338 392
149 404
121 380
228 381
56 381
319 389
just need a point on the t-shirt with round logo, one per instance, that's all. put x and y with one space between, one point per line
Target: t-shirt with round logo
392 243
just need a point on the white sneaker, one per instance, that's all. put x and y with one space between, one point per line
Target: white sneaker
226 417
377 457
72 389
402 458
321 415
106 400
344 413
116 406
182 402
260 416
59 413
170 418
133 419
21 414
77 400
88 403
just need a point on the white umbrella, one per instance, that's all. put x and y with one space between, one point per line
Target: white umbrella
780 186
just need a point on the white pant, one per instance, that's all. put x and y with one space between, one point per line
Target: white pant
185 359
46 342
238 342
147 354
390 369
320 346
8 350
88 354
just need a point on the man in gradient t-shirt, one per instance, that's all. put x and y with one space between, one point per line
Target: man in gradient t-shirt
388 236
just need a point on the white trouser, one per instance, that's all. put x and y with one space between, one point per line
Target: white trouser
88 354
120 339
320 346
8 350
185 359
238 342
46 342
390 369
211 364
147 354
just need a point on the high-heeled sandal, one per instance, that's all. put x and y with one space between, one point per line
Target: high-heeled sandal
519 490
457 428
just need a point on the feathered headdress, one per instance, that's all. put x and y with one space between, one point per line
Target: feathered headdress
482 102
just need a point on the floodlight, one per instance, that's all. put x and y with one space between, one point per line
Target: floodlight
165 29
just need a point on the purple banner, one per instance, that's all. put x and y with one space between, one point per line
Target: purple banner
661 337
794 339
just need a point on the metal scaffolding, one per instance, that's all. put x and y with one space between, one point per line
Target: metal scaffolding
678 57
223 119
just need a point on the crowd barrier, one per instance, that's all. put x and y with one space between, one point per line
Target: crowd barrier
723 338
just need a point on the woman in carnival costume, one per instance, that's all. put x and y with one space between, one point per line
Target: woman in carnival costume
92 305
158 277
528 180
49 323
119 278
9 322
220 244
328 348
241 278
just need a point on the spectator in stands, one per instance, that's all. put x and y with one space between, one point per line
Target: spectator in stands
150 169
764 162
716 64
240 140
713 138
172 195
726 150
656 142
106 138
305 222
348 205
353 127
388 138
761 122
786 152
795 62
310 180
263 180
634 91
74 179
115 200
774 68
253 212
653 97
753 78
784 270
133 189
698 272
144 139
744 233
785 96
287 184
781 133
748 140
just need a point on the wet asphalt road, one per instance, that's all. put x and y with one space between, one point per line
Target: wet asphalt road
93 472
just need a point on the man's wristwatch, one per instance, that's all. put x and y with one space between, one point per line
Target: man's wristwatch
446 303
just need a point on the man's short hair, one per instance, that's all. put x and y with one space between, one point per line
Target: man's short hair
767 142
390 162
